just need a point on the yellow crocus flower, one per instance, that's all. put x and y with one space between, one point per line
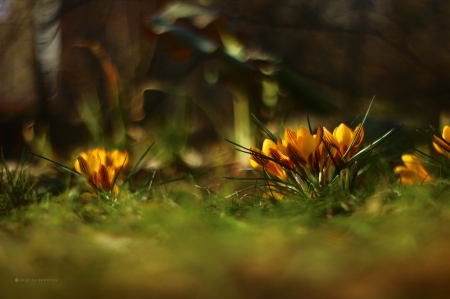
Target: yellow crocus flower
342 138
101 168
440 145
302 144
270 150
413 172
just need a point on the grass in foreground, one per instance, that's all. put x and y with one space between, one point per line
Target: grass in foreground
395 246
186 241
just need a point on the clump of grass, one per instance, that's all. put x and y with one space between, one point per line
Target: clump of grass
17 185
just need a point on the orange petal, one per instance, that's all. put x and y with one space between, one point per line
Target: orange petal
442 145
290 137
276 170
103 181
292 148
82 166
359 138
278 155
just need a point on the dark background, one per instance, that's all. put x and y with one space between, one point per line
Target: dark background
347 50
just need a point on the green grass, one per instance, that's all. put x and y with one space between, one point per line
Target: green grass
171 235
172 246
17 185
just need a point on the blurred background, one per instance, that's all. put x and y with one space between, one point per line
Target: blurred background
187 75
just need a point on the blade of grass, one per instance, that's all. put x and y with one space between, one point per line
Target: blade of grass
374 144
134 169
59 165
359 131
264 128
309 125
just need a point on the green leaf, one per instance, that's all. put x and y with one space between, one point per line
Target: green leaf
58 164
264 128
134 169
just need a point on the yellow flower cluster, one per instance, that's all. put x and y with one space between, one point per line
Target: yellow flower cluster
414 172
307 151
442 145
101 169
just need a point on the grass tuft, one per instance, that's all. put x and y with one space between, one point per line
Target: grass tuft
17 185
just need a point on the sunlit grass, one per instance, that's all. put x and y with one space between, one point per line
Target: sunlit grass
157 249
352 229
321 213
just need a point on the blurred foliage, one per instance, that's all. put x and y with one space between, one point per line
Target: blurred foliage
211 76
17 185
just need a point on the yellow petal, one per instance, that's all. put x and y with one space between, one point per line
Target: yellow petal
118 159
400 169
281 145
101 154
446 133
94 162
409 159
257 159
76 165
415 170
318 136
273 192
330 139
306 142
267 145
116 190
438 148
111 174
343 135
255 164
